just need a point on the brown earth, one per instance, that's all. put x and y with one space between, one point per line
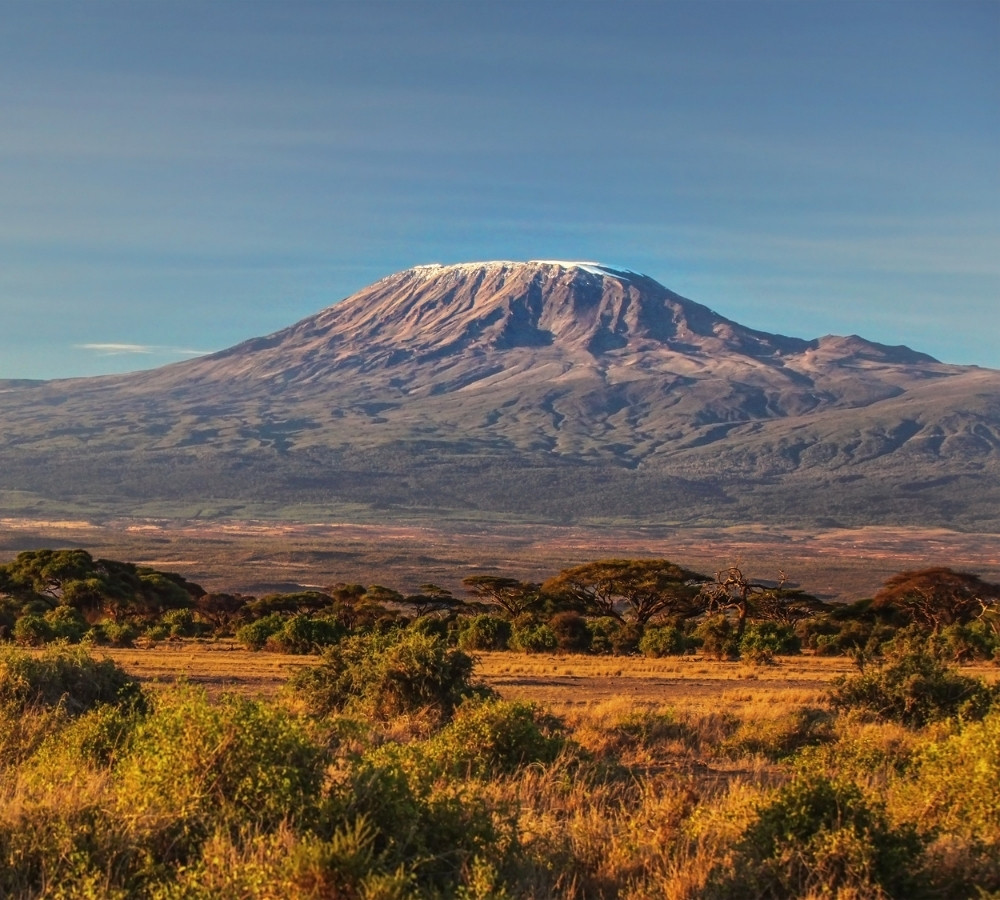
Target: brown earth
259 557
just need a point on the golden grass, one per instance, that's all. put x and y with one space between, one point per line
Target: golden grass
563 684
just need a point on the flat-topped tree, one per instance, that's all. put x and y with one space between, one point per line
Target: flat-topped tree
512 596
630 590
97 588
938 596
355 605
432 598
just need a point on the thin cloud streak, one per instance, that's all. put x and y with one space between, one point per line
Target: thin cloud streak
111 349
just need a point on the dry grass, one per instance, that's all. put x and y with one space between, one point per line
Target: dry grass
567 685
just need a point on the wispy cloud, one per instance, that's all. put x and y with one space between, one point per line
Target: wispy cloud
146 349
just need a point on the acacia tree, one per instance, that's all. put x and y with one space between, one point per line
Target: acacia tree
938 596
633 590
432 598
103 587
512 596
732 591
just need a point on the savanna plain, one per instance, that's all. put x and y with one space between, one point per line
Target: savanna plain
851 750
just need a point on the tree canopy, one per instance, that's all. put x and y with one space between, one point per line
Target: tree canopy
937 596
633 590
101 587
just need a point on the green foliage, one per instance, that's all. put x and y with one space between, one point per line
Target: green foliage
914 687
33 631
65 676
386 675
97 588
762 641
67 623
483 632
488 736
633 589
427 829
116 634
301 634
533 638
254 635
717 637
821 836
663 640
197 767
181 623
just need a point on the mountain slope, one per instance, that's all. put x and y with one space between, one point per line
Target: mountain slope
544 390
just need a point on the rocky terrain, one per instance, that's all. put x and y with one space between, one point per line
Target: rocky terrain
540 391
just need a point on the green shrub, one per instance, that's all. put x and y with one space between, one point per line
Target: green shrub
116 634
603 632
483 632
662 640
717 637
33 631
533 639
914 687
67 623
254 635
65 676
951 789
965 643
821 837
426 829
301 634
488 736
196 767
181 623
762 641
387 675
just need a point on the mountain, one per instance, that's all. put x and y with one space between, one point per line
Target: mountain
550 391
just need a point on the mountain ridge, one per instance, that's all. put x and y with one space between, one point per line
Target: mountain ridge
505 387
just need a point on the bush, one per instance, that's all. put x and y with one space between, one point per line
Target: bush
487 736
717 637
64 676
483 632
602 633
387 675
113 633
197 767
571 632
33 631
300 634
914 687
662 640
181 623
762 641
254 635
533 639
820 836
67 623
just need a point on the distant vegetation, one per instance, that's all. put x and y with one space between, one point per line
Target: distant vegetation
611 606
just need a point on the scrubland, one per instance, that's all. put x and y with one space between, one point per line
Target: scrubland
395 766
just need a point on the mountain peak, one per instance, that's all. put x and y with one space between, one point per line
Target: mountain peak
432 270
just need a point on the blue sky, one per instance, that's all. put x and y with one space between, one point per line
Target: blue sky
178 176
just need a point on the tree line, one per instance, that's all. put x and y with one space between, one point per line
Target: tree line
616 606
